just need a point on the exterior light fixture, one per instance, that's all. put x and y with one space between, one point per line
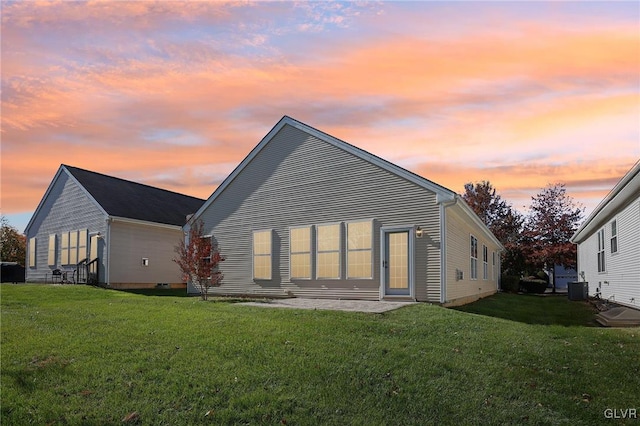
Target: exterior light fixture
419 232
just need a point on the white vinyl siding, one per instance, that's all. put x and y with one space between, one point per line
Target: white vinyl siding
262 255
300 253
601 257
51 252
614 237
328 252
298 180
32 252
474 258
359 249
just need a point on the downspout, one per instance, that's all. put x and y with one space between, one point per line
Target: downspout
108 254
443 247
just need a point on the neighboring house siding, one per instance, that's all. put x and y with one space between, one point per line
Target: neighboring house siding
65 208
299 180
620 281
131 242
458 255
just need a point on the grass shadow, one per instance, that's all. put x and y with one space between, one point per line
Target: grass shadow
535 309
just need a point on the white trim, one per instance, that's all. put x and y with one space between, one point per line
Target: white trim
625 190
443 248
471 278
145 223
410 229
107 255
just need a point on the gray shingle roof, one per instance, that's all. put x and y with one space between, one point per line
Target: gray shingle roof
123 198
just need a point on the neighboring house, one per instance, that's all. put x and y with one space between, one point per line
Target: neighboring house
609 244
94 228
308 215
562 276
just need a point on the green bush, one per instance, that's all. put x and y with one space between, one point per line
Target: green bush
510 283
533 285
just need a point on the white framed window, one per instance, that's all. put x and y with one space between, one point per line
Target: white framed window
83 237
93 249
359 249
64 248
485 263
32 252
73 247
493 265
51 253
300 252
614 236
262 259
474 258
328 251
601 266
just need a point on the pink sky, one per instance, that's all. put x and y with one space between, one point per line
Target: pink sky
174 95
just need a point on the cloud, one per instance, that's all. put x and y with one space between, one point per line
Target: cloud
173 93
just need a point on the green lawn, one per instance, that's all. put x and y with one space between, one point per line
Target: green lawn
83 355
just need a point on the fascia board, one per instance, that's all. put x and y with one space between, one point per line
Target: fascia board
474 217
225 183
144 223
618 197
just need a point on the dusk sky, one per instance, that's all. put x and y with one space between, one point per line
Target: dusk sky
175 95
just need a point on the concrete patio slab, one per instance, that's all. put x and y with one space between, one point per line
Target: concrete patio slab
332 305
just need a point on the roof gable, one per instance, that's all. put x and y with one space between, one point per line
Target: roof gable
442 193
126 199
132 200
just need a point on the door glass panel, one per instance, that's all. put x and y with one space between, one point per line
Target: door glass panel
398 260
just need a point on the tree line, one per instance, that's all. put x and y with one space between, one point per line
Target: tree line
535 240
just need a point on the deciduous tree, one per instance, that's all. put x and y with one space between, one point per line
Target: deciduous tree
198 259
553 218
13 245
501 218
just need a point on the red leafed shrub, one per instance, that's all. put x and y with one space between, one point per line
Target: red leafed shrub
198 259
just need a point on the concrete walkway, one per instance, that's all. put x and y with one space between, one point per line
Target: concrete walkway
332 305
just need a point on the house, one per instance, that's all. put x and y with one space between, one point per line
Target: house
308 215
94 228
609 244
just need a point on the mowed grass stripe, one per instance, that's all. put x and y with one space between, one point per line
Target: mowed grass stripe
83 355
